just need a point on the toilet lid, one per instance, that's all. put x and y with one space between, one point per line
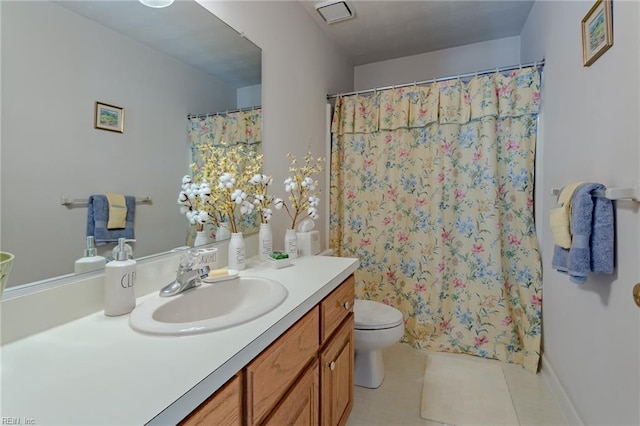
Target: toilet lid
374 315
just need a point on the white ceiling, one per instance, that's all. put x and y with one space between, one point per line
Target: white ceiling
185 31
381 30
385 30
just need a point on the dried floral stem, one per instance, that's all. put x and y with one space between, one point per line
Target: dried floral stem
237 162
301 189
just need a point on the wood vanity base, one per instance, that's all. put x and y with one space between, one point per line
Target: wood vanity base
305 377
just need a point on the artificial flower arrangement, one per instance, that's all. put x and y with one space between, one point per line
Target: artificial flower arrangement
301 189
225 177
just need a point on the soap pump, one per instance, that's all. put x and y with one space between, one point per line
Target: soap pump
120 277
91 261
127 249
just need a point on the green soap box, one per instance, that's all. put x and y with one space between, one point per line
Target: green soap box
278 260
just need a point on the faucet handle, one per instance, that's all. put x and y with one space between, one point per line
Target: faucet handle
203 271
187 261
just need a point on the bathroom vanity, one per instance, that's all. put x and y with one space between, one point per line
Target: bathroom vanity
292 364
304 377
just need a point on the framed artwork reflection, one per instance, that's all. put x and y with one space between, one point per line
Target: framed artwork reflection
109 117
597 31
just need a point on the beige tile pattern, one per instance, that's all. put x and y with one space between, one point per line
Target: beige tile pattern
397 401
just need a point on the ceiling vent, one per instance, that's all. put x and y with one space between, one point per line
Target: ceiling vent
333 11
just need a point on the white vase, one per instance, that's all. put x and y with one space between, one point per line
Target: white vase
237 252
265 241
201 239
223 232
291 243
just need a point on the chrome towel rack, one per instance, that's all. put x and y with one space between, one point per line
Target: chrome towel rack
83 202
612 193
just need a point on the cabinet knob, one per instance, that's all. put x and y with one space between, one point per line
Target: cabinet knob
331 365
346 305
636 294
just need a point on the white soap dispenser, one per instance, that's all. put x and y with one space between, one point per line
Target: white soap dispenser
91 261
119 279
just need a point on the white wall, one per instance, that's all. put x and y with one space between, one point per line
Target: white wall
591 332
299 68
249 96
55 65
441 63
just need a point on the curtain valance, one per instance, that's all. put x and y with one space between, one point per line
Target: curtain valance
230 129
452 101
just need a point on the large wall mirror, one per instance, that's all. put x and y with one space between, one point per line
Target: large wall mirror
159 65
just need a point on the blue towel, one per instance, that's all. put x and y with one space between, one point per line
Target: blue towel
98 216
592 236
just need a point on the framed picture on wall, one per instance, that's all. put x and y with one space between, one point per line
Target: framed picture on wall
597 31
109 117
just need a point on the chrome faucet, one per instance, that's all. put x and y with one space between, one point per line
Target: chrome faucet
188 277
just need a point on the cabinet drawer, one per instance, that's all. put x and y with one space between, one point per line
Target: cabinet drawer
222 408
335 307
272 372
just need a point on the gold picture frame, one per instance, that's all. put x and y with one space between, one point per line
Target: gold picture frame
109 117
597 31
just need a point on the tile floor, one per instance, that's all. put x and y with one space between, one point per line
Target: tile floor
397 401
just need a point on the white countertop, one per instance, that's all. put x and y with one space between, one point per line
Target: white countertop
97 370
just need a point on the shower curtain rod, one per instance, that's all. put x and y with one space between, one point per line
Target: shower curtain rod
226 112
435 80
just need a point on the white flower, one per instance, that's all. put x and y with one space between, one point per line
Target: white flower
314 201
278 203
204 191
182 197
266 214
226 181
184 209
313 213
238 196
256 179
202 216
246 208
191 215
186 179
290 184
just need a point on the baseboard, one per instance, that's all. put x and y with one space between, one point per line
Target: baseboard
561 397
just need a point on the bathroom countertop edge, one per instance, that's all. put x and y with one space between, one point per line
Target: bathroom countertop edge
116 375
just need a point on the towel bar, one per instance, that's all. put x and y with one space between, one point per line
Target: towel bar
612 193
78 202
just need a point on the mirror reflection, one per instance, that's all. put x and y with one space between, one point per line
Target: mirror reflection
151 68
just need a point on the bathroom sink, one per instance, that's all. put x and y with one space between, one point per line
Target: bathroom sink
209 307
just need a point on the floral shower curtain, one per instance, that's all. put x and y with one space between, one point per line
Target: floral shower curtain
223 131
432 189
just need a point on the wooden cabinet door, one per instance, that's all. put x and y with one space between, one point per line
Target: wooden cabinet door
300 405
223 408
272 372
336 376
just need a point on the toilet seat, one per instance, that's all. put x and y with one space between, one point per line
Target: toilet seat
371 315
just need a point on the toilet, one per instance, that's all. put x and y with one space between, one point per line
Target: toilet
377 326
